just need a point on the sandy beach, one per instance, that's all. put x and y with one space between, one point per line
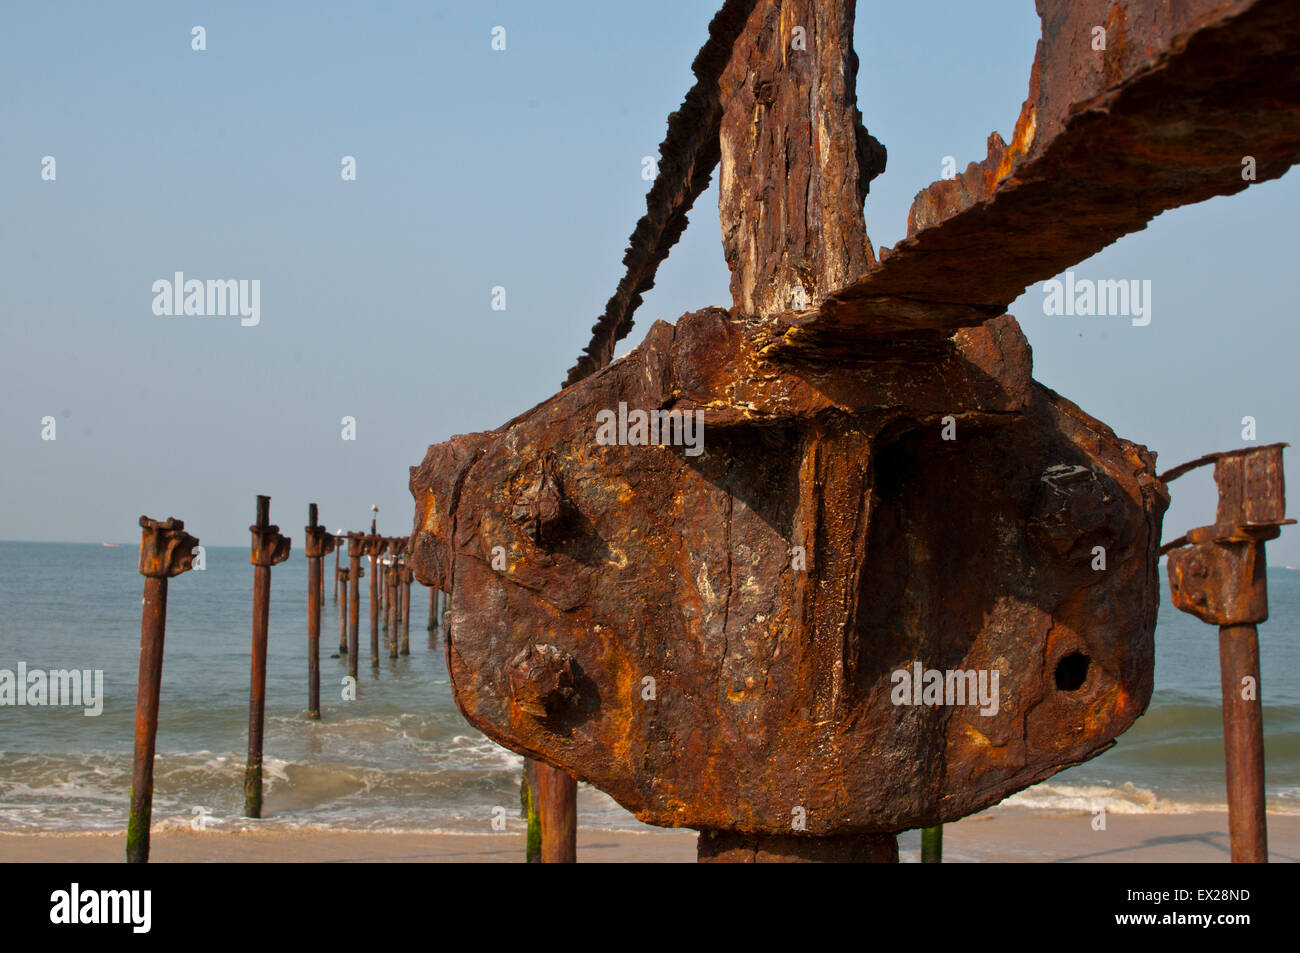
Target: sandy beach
997 835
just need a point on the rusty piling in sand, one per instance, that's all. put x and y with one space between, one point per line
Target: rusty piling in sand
391 616
343 612
166 550
317 543
375 546
406 609
557 809
338 549
356 549
268 549
1217 573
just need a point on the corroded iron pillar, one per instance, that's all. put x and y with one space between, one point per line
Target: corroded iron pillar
356 549
166 550
1218 574
269 548
317 543
344 573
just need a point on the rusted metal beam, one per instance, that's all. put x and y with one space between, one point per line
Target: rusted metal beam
268 549
688 154
1105 141
166 550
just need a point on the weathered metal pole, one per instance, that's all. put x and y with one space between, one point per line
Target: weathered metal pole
343 613
165 551
932 845
433 609
356 548
1218 574
393 602
557 808
268 549
375 546
317 543
406 610
338 549
1243 743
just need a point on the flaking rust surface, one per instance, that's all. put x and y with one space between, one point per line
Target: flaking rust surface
577 571
772 684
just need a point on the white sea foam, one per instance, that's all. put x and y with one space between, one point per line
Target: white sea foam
1124 798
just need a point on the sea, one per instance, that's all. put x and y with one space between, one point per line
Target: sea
400 757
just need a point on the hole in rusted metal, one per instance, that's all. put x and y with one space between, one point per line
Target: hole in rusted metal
1072 671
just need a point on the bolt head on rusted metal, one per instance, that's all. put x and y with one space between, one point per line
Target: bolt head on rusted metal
543 680
166 550
539 508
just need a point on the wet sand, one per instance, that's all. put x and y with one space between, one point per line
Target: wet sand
1000 834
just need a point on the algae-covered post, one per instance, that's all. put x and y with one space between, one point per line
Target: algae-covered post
338 550
166 550
268 549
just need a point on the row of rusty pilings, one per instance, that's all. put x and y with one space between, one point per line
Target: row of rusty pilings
166 550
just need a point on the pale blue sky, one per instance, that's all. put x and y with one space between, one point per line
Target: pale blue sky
477 168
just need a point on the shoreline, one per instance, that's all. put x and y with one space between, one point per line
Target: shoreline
996 835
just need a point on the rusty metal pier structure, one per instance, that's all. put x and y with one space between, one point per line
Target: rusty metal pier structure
714 634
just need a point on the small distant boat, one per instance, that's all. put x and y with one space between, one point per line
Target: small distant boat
115 545
1296 568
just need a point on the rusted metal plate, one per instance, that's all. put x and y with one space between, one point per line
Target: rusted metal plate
166 550
1218 573
772 683
688 155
